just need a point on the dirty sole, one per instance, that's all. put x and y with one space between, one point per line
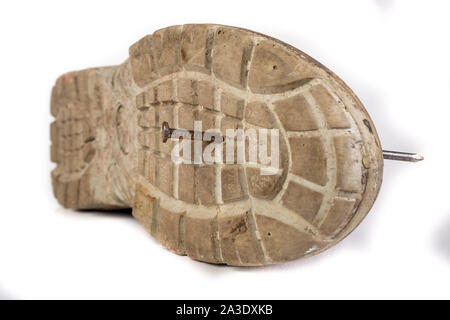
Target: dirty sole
107 144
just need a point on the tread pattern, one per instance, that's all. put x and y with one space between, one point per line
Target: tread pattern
72 137
231 78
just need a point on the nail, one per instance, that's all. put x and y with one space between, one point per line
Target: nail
402 156
193 135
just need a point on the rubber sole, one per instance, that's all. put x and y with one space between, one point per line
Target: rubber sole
107 143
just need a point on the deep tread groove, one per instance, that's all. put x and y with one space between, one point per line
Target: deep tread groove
216 239
208 48
182 232
246 62
154 228
257 243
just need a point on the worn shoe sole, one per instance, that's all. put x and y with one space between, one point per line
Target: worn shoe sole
106 142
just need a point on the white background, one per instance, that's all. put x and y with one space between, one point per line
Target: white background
393 54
